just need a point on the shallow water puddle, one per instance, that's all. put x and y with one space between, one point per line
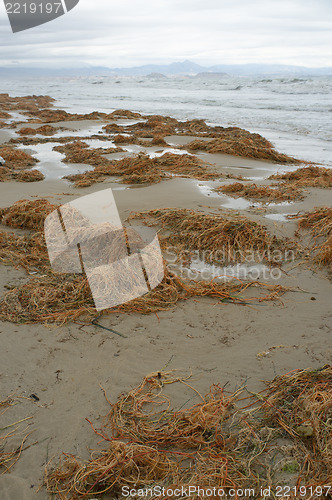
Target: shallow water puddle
174 151
128 123
240 203
97 143
45 153
50 161
17 117
279 217
82 132
206 189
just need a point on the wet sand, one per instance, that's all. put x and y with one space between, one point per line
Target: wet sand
66 367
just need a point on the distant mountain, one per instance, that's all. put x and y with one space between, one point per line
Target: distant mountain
270 69
185 68
156 76
178 68
210 75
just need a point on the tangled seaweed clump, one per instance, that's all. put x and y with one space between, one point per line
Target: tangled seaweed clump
47 130
79 152
10 435
57 298
30 141
113 128
30 176
307 176
142 169
27 214
217 238
218 139
124 139
166 125
27 131
124 113
4 115
215 443
267 194
300 403
150 444
27 103
16 163
238 142
6 174
51 297
319 223
230 140
59 115
16 159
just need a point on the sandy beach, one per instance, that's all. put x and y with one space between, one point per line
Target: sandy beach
56 375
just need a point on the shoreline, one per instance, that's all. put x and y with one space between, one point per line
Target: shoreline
225 343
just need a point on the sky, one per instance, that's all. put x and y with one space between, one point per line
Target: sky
129 33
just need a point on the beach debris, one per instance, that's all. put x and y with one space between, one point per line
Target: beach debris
215 443
158 140
124 139
14 164
27 214
217 238
319 223
7 174
139 169
149 444
58 298
59 115
307 176
212 139
79 152
4 115
27 103
267 194
10 452
30 176
94 323
31 141
300 404
16 159
34 397
113 128
50 297
239 142
44 130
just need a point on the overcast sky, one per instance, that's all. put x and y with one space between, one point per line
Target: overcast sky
126 33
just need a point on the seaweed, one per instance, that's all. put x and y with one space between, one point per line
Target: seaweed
214 448
267 194
51 297
307 176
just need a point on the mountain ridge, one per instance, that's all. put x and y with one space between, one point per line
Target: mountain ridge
184 68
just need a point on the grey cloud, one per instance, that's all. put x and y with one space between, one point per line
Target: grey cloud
213 31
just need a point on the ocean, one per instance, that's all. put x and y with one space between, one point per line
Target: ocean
294 113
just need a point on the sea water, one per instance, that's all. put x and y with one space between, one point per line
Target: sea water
294 113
